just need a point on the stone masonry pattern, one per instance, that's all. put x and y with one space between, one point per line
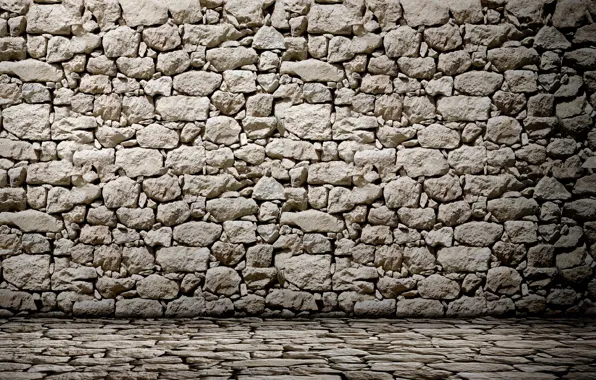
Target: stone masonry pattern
368 158
314 349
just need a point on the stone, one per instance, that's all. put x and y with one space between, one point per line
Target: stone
443 189
240 231
419 68
286 148
426 12
403 192
222 130
249 14
418 259
375 308
512 208
436 286
28 121
549 188
312 70
308 272
222 280
503 130
444 38
197 234
231 58
291 299
121 42
139 308
145 12
140 162
464 259
182 108
402 42
464 108
223 209
510 58
209 35
478 234
28 272
155 286
332 18
50 18
197 83
437 136
503 280
32 221
183 259
335 173
268 188
419 307
162 38
468 159
422 162
478 83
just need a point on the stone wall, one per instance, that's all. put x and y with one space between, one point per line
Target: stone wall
290 158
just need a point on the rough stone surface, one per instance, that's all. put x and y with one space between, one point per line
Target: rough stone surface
371 158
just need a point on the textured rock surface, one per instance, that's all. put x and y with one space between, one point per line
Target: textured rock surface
355 158
265 348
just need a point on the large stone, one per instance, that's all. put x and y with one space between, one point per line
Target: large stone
402 42
403 192
418 307
222 280
28 272
464 259
182 108
512 208
436 286
197 234
32 70
464 108
437 136
223 209
121 42
138 308
197 83
313 221
286 148
229 58
157 137
503 280
308 272
478 234
267 188
28 121
291 299
183 259
51 18
162 38
186 159
444 38
140 162
143 12
511 58
425 12
32 221
332 18
422 162
335 173
312 70
478 83
245 13
155 286
222 130
210 35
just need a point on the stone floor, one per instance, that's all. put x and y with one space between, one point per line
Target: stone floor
324 349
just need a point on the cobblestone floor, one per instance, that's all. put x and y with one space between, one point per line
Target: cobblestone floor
323 349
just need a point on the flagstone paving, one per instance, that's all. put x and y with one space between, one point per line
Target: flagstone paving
323 349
